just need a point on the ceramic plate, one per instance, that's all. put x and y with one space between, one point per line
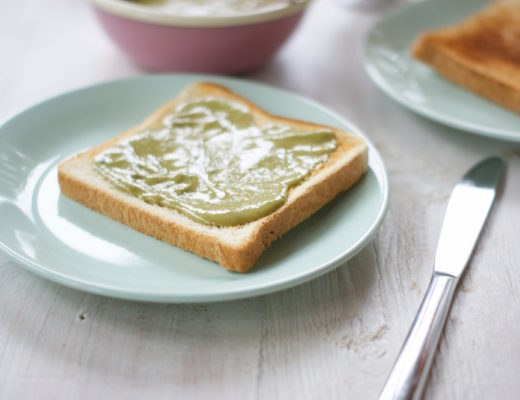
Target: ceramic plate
388 63
61 240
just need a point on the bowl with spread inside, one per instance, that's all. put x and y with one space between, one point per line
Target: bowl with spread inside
227 37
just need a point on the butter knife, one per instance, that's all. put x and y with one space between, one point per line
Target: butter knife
468 208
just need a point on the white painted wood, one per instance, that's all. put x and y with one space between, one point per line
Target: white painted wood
333 338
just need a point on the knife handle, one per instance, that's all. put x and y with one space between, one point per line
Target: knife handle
410 371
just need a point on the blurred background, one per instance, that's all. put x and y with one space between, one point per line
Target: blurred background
65 46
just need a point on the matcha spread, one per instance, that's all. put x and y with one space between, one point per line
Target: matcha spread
210 162
215 8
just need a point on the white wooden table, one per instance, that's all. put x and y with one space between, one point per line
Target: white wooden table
333 338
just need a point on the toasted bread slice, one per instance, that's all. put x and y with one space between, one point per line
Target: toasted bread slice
482 53
234 247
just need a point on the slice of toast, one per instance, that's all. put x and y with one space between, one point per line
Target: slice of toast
234 247
482 53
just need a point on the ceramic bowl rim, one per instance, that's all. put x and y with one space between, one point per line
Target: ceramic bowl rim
146 14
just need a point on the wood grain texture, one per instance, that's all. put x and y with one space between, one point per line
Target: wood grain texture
333 338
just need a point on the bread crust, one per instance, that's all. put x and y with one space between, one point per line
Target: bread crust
237 247
482 53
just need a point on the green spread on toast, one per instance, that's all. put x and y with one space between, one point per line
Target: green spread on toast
211 162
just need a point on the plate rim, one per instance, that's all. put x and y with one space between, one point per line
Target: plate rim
376 164
378 78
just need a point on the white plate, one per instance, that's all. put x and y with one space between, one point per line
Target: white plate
61 240
388 62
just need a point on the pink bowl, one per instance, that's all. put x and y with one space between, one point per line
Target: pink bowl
162 46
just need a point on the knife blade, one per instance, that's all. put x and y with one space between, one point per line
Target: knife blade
466 214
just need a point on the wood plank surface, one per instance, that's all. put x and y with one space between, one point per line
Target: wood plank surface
335 337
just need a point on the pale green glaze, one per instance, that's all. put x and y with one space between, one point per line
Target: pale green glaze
211 162
61 240
203 13
203 8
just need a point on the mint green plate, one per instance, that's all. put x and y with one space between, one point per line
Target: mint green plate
65 242
388 62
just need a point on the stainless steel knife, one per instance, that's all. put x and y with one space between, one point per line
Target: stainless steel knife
466 214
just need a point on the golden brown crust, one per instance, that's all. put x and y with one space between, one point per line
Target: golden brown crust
481 54
236 248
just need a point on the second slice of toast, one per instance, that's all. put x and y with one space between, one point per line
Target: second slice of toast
481 53
234 247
